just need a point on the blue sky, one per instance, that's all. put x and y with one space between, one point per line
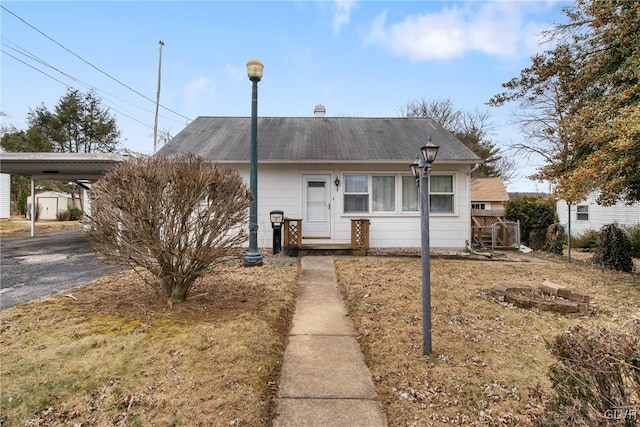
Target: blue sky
358 58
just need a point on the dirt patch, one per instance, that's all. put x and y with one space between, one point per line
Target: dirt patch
210 298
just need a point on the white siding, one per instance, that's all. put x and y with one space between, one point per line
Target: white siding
280 188
5 196
598 215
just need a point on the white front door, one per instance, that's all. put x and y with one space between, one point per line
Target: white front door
316 207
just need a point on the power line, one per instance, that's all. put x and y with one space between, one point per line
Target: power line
19 49
91 65
71 87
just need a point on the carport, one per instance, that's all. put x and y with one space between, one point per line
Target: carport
79 168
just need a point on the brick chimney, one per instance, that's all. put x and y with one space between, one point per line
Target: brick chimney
319 110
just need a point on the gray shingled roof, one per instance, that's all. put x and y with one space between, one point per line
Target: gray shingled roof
313 139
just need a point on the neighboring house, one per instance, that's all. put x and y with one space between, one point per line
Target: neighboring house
5 196
327 171
589 215
488 198
488 193
50 203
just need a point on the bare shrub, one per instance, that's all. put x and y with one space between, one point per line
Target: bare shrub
596 379
172 217
555 239
63 215
37 210
614 249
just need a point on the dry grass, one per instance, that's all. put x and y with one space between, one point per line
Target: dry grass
113 354
20 227
489 362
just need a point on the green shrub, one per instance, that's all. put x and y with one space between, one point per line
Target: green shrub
595 379
634 237
614 249
589 239
22 203
535 214
75 213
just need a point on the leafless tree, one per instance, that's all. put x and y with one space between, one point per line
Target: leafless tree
164 136
172 217
441 110
472 128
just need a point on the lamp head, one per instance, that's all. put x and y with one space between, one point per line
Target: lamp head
429 151
415 168
254 69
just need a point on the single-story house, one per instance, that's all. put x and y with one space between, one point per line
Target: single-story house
327 171
488 193
589 215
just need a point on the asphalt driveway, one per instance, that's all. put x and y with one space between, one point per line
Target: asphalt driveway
32 267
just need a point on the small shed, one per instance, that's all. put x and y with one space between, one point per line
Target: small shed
50 203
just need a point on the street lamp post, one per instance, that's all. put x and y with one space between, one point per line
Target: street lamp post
253 257
421 169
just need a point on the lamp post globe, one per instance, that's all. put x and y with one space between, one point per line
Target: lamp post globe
254 69
253 256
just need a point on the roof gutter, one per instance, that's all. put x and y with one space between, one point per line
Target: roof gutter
473 169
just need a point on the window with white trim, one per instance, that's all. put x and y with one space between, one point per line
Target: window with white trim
371 193
441 194
383 195
410 194
356 193
479 206
582 212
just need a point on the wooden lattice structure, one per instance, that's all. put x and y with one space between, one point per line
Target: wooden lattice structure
292 232
359 233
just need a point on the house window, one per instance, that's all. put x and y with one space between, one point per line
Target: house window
384 193
582 212
441 193
356 193
410 194
480 206
377 193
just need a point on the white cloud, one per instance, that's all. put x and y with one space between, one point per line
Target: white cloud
341 13
236 72
495 28
196 90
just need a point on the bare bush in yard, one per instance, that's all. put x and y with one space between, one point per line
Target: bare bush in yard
555 239
596 379
172 217
614 249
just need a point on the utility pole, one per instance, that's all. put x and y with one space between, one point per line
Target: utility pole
155 124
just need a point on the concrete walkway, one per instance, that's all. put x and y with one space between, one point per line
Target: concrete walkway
324 379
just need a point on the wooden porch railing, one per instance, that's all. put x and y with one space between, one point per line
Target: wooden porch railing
292 232
359 233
